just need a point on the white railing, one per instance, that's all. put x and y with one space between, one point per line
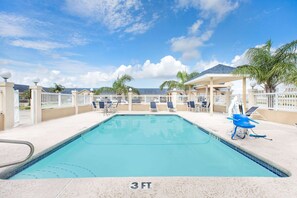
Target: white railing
145 99
277 101
182 99
52 100
83 99
219 99
114 98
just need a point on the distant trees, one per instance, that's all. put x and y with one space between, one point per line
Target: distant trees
182 77
119 86
270 68
58 88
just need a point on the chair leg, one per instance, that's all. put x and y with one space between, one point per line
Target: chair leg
233 134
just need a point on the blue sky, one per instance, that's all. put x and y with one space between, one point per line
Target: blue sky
88 43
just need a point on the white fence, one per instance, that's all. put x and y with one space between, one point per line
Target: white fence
83 100
182 99
219 99
113 98
52 100
277 101
145 99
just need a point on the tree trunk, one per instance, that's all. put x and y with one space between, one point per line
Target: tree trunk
270 97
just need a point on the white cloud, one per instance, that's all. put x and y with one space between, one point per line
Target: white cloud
73 73
203 65
77 39
239 60
138 28
13 25
188 45
116 15
211 12
38 45
167 67
195 27
214 9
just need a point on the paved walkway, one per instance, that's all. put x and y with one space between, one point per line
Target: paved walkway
282 152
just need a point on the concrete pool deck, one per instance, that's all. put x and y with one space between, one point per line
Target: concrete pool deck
282 152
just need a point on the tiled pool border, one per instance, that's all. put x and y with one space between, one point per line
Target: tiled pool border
56 147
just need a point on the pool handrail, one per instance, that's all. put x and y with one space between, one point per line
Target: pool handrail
29 144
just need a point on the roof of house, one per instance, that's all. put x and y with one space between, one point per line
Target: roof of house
219 73
218 69
21 88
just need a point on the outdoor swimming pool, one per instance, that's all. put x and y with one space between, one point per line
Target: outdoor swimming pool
146 145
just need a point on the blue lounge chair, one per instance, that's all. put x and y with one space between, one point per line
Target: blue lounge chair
188 106
94 106
243 121
153 106
101 105
205 106
170 106
192 106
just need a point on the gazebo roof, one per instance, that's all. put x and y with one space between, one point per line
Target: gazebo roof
219 73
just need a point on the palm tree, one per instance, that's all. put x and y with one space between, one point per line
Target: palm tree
57 88
270 68
292 77
183 77
119 86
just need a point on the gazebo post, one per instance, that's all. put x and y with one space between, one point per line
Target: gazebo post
211 96
244 92
206 92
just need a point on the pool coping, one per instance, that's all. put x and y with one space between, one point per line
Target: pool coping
271 166
9 172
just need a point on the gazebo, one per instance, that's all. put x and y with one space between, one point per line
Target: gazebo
217 77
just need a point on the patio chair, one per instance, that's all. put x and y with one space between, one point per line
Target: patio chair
170 106
205 106
114 107
244 122
192 106
188 106
101 105
153 106
94 106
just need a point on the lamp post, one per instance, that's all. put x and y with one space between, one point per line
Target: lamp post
5 75
35 81
253 84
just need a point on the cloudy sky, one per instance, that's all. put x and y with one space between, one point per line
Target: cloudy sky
88 43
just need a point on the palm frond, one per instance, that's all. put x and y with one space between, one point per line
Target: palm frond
170 84
287 51
104 89
192 75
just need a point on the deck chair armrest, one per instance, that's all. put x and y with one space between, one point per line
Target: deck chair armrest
229 118
253 121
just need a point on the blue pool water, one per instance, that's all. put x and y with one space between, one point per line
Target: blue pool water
131 146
